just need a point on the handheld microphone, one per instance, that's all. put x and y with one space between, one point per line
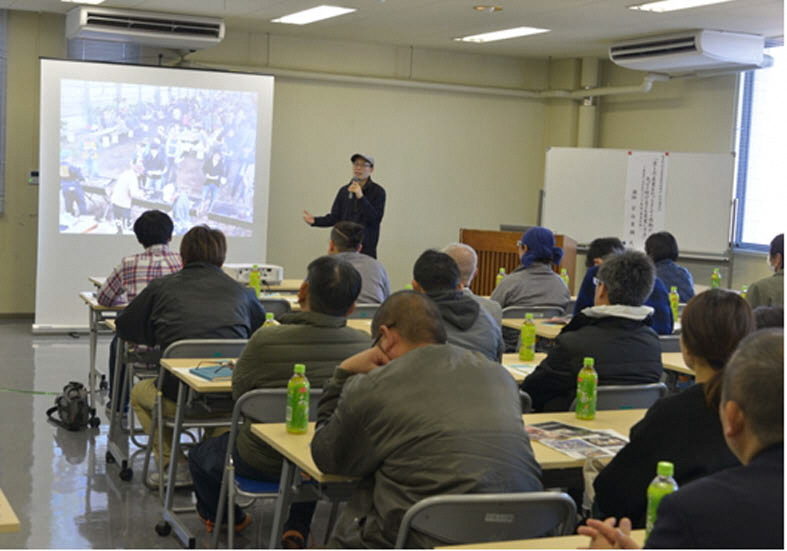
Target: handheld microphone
350 194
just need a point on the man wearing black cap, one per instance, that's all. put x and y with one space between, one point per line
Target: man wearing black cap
361 201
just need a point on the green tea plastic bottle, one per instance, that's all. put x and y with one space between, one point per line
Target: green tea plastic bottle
254 280
270 320
715 279
298 401
565 278
674 301
587 390
527 340
744 291
501 273
661 486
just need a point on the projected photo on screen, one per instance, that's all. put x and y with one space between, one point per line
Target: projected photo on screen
126 148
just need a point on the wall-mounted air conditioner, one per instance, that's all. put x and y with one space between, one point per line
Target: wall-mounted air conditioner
692 51
156 29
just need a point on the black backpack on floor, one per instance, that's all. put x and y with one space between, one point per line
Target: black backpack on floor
72 407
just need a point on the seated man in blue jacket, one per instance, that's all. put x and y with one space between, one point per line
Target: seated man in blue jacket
615 332
737 508
661 320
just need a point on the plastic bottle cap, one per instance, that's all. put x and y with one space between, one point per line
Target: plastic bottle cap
665 468
269 315
588 361
255 266
529 316
300 369
673 289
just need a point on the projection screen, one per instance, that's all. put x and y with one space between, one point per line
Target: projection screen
116 140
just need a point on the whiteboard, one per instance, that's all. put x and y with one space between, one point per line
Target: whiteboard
584 196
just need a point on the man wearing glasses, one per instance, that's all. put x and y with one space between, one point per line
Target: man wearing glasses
361 201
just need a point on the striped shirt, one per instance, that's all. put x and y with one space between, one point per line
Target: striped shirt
134 272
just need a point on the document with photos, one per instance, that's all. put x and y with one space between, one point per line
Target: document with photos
577 442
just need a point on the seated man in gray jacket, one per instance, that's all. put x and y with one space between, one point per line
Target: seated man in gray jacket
414 417
466 323
346 243
316 336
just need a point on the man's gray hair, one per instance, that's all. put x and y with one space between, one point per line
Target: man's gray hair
466 258
754 379
629 277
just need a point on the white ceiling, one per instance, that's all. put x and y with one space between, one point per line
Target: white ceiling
578 27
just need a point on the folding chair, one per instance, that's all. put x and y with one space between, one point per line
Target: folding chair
526 401
276 305
262 405
669 343
188 348
364 311
627 396
481 518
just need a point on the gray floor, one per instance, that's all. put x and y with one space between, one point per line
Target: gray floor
58 482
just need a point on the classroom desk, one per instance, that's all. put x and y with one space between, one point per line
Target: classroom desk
544 328
286 286
296 451
180 368
97 315
8 519
363 324
673 361
519 369
619 420
98 281
561 542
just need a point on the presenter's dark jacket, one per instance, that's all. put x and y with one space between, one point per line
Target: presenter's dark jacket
367 211
658 300
738 508
682 429
625 348
198 302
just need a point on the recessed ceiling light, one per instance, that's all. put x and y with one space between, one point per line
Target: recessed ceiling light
674 5
314 14
490 9
501 35
91 2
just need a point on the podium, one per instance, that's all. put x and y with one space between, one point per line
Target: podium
497 249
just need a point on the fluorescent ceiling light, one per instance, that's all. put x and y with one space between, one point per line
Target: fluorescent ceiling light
91 2
674 5
501 35
314 14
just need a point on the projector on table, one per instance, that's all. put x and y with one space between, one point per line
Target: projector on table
270 274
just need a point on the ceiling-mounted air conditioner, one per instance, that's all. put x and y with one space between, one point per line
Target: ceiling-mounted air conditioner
156 29
692 51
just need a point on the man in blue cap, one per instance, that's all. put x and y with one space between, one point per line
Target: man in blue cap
361 201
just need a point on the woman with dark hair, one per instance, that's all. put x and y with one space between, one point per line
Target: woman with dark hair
683 428
662 248
770 290
533 282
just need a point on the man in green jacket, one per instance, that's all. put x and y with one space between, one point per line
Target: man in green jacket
316 336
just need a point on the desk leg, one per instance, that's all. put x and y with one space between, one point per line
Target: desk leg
117 442
93 325
282 502
170 516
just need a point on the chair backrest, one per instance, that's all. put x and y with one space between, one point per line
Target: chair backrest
669 343
569 309
276 305
364 311
627 396
537 311
478 518
205 348
526 400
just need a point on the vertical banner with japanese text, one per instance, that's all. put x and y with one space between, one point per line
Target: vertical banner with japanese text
646 196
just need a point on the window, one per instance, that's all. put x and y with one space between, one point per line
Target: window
762 157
